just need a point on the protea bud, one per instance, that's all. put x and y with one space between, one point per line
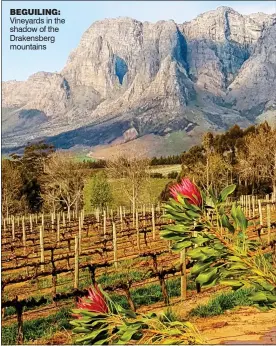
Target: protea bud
94 302
188 190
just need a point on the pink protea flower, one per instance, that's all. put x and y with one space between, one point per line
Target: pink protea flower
94 302
187 189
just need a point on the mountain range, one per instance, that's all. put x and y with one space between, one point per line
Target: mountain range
155 85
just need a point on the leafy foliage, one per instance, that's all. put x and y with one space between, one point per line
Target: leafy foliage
31 167
101 195
219 246
11 185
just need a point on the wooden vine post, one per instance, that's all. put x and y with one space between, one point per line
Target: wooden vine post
115 245
104 223
24 233
241 202
76 280
13 229
249 207
41 240
183 274
261 215
121 218
58 228
31 223
153 222
253 205
79 235
268 218
137 230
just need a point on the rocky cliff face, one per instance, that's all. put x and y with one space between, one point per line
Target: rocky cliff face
253 91
127 77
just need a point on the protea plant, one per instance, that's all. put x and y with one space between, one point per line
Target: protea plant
100 321
218 246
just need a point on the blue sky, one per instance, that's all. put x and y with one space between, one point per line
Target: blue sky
79 15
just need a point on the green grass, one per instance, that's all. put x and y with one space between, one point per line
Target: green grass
165 169
80 157
39 328
116 278
151 294
222 302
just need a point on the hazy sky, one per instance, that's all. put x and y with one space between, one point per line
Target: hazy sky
79 15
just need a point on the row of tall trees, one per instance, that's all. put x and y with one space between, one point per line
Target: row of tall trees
245 157
155 161
166 160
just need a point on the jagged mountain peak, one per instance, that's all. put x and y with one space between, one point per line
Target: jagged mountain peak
156 77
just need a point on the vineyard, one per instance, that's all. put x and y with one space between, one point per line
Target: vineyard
50 259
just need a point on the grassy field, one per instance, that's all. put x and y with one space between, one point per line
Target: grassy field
149 192
166 169
80 157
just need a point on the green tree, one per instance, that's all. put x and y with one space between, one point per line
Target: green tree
101 194
32 166
11 187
